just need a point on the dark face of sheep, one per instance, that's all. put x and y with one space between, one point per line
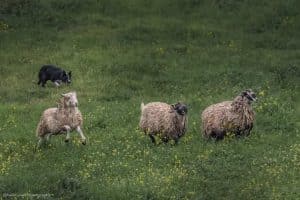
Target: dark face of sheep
250 95
180 108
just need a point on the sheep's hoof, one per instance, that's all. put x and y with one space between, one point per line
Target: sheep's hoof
66 140
165 140
83 142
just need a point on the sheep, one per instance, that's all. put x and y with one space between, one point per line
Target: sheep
63 119
166 121
235 117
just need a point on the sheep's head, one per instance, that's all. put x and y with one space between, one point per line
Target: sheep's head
250 95
70 99
180 108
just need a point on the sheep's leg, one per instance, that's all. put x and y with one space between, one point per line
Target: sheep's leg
249 128
68 130
48 136
83 139
68 136
152 138
176 139
238 133
41 141
247 132
218 135
165 139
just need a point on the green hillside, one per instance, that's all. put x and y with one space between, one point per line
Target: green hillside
124 52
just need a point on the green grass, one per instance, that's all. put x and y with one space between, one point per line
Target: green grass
125 52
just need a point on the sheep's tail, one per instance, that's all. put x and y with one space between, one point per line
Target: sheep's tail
142 106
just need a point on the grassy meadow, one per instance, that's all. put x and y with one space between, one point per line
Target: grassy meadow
124 52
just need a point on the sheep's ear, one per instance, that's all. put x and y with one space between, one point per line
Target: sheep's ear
175 105
70 73
63 95
172 108
244 93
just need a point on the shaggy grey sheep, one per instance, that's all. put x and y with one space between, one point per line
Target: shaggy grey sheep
63 119
234 116
166 121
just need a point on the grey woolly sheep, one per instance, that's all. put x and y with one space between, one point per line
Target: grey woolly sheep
166 121
63 119
234 116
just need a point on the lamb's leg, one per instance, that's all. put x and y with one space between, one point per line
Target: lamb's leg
67 129
83 139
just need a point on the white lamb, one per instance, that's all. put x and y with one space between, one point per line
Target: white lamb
63 119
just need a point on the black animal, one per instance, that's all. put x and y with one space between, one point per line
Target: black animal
54 74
